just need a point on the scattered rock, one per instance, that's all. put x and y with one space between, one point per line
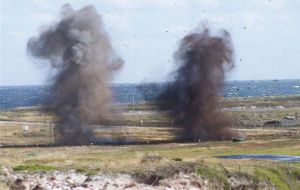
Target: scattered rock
84 185
17 185
182 179
129 185
88 179
37 187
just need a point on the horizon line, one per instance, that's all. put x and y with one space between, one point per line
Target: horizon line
130 83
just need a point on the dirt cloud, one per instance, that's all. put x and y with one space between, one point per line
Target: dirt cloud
79 50
202 61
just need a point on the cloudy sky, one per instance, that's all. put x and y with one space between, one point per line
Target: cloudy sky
145 33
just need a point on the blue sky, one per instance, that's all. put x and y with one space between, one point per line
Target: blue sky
145 33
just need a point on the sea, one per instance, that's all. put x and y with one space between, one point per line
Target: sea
23 96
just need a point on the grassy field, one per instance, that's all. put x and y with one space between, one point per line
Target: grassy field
165 159
144 122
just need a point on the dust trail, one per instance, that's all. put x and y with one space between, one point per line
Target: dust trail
202 60
79 50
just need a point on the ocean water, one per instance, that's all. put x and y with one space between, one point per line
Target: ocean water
21 96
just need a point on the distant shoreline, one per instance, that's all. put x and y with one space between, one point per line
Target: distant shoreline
142 83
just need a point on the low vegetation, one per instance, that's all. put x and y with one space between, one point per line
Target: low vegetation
151 163
33 167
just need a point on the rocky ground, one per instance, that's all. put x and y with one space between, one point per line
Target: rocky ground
72 180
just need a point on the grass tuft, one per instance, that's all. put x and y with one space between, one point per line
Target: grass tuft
284 178
33 167
214 174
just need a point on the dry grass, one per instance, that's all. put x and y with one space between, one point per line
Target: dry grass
141 158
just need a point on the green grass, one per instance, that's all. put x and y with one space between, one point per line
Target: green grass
166 159
33 167
199 157
272 176
88 171
214 174
284 178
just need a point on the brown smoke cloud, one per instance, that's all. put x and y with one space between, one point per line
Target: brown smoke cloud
202 60
79 50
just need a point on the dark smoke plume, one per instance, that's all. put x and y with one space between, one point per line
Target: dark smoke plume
79 50
202 60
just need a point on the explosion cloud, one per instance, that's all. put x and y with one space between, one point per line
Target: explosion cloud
192 98
79 50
